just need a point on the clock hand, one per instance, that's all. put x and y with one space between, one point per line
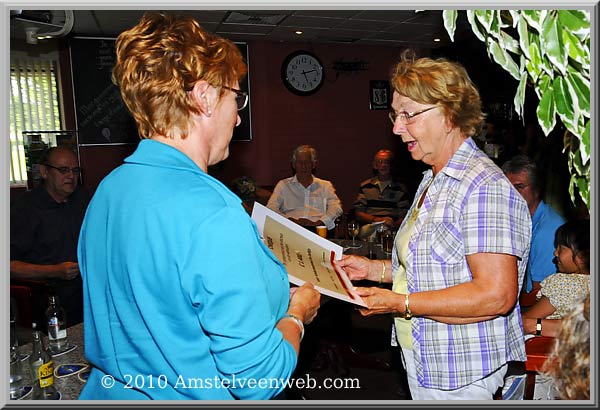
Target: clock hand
306 72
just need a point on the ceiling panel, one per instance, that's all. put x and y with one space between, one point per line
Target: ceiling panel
373 26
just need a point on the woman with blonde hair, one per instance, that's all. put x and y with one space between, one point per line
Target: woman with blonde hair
460 253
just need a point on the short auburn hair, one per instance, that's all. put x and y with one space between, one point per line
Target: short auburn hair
160 59
440 82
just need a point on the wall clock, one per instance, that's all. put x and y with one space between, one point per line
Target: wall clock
302 73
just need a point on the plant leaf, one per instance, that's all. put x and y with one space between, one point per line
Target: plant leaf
523 37
533 18
546 110
504 59
576 21
474 25
563 99
551 44
581 88
576 49
509 43
449 17
584 147
516 17
535 61
519 99
485 17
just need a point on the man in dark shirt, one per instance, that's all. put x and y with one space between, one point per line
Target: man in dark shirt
380 198
44 232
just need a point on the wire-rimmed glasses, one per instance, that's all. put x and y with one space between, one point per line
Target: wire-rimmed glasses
406 117
241 97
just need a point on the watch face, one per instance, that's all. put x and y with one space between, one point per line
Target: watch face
302 73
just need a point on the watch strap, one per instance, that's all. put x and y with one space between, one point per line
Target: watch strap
538 327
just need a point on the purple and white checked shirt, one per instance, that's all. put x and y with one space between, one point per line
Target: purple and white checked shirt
469 208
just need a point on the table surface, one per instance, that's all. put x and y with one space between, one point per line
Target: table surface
69 386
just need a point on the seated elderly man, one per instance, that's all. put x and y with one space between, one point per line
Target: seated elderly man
44 231
304 198
381 198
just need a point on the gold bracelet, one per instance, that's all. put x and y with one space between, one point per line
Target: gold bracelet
407 313
382 273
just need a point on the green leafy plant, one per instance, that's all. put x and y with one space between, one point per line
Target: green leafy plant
550 51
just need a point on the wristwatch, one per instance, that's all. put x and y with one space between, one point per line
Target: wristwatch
538 327
407 313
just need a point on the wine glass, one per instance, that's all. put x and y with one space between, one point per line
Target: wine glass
353 229
381 228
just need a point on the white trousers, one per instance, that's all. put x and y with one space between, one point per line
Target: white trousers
483 389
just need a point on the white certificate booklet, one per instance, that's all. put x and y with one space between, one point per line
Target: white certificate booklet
306 256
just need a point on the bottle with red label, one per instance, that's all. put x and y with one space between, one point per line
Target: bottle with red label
42 370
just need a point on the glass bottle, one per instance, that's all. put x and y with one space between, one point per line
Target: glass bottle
57 326
16 372
42 370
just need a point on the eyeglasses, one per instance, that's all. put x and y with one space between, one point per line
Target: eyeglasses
65 170
241 97
520 187
406 117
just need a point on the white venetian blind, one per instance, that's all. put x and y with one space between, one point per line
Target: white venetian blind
34 105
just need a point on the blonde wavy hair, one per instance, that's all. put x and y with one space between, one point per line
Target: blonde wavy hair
440 82
569 364
160 59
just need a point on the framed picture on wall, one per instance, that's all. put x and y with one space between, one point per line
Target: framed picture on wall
379 95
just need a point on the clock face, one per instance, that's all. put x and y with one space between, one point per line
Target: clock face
302 73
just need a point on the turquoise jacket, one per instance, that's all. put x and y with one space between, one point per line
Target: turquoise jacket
181 296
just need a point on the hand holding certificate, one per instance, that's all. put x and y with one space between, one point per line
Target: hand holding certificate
306 256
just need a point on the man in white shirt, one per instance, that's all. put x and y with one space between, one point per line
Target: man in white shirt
305 199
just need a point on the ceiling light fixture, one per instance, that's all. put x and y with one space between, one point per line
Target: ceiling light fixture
299 32
64 30
437 40
31 35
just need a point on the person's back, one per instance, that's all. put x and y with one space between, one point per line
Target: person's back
141 263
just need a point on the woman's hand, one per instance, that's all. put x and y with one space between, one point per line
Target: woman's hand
380 301
357 267
304 302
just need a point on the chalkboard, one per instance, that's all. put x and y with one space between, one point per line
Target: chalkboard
101 115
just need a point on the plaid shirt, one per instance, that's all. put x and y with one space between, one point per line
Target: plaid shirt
470 208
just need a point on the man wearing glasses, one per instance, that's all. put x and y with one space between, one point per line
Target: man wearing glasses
44 231
523 173
382 198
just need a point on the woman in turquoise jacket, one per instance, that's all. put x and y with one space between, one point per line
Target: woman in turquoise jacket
182 300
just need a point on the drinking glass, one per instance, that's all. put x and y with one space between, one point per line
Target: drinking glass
380 230
353 229
388 241
16 377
